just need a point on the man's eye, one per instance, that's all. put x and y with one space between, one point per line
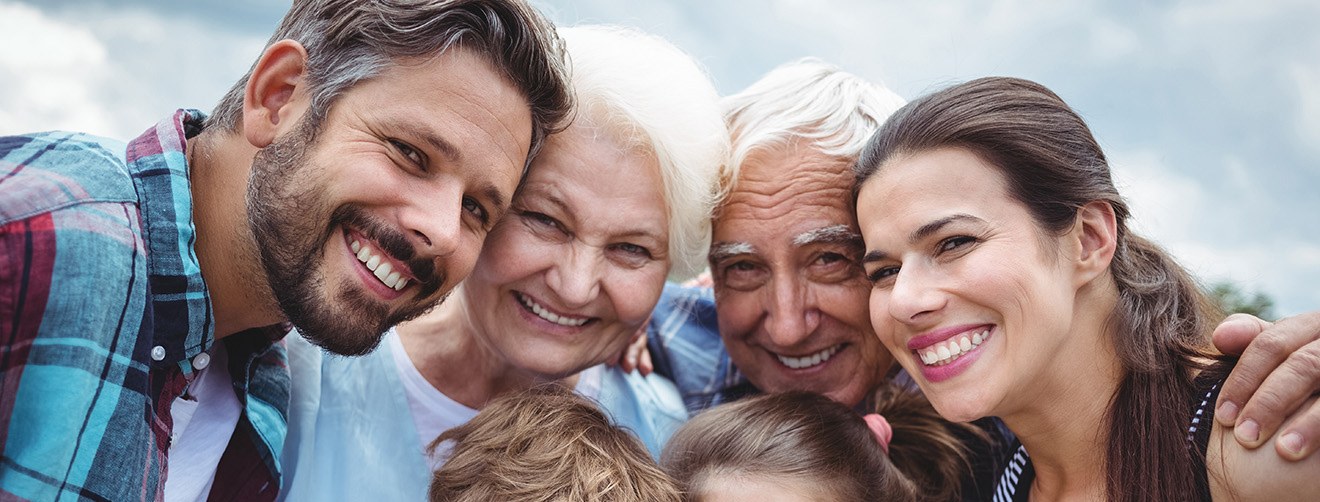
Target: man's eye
741 266
831 258
472 206
741 275
408 152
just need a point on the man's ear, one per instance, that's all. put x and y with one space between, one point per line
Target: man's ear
275 98
1096 231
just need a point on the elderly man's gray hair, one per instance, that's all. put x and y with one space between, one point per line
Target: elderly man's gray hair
807 100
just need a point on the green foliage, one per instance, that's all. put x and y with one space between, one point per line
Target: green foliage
1232 299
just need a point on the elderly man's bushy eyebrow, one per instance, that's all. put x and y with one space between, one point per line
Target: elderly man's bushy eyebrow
833 234
721 251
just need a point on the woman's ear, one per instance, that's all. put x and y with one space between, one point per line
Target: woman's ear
1096 231
275 98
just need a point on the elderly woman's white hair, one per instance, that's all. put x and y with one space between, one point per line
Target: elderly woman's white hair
644 91
808 100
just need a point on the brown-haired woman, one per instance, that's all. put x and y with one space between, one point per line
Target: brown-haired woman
1006 282
805 446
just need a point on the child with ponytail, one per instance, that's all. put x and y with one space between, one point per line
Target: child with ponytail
804 444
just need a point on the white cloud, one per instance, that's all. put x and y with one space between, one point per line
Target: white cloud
1165 205
50 78
1189 217
1306 79
111 70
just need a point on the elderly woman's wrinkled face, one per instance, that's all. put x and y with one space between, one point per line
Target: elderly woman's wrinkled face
968 293
579 263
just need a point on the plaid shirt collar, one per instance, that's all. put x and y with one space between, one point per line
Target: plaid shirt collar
184 323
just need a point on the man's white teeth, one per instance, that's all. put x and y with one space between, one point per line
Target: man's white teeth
949 350
546 314
808 361
377 265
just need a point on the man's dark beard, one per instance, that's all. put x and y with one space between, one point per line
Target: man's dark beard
282 220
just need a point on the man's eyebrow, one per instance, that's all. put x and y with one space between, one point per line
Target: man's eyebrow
447 149
922 233
493 195
720 251
833 234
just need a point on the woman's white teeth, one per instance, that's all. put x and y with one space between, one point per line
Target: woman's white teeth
546 314
947 351
808 361
378 266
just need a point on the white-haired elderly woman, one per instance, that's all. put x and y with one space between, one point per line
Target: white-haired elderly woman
613 205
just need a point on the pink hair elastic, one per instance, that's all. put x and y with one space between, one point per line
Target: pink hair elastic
881 429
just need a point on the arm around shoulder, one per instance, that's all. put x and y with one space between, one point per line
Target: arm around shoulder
1238 473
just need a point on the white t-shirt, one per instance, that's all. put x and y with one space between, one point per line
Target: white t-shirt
433 412
204 420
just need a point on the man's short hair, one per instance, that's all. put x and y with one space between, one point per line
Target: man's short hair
809 101
547 444
351 41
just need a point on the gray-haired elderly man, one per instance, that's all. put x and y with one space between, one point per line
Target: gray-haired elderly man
344 185
789 306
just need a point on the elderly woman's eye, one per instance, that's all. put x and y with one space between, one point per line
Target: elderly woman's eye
539 218
631 253
634 250
543 224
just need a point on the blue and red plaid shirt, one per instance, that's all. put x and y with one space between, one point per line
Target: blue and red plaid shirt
103 311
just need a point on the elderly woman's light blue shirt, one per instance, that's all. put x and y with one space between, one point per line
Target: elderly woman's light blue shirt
352 435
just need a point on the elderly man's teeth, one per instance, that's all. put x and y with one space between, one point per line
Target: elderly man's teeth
546 314
808 361
378 266
950 350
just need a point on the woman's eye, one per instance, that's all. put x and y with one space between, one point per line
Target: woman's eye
953 243
538 218
542 222
476 209
881 274
634 249
408 152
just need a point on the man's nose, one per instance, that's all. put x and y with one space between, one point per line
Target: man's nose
433 220
793 314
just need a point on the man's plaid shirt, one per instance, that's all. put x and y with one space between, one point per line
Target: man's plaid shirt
102 311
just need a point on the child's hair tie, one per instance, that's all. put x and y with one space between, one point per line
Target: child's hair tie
881 429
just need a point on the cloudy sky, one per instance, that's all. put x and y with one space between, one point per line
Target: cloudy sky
1208 109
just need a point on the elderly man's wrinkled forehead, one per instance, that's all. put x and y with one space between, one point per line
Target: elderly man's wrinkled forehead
793 190
780 172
